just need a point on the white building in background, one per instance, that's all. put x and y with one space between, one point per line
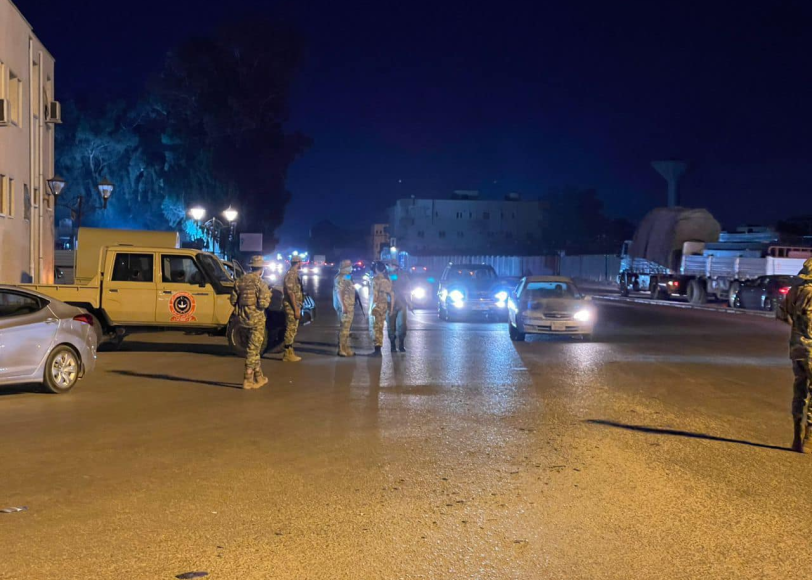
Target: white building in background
466 224
28 113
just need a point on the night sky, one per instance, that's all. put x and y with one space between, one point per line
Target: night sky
420 99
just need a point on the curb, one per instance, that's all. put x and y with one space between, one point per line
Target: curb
685 306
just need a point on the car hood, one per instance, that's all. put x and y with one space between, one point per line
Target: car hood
477 286
568 305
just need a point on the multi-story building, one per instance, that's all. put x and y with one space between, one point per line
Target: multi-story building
380 239
466 224
27 116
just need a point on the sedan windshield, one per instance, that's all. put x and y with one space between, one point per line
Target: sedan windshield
472 273
547 290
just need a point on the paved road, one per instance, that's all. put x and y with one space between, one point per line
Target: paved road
657 451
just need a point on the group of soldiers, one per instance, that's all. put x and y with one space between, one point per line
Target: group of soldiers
390 300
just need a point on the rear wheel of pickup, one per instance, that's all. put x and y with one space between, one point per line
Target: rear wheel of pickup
238 338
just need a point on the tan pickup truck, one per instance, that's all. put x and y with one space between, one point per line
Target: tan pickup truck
142 287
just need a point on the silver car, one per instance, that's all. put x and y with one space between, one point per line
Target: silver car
549 305
45 341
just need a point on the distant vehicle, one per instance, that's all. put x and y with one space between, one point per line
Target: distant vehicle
423 288
764 293
471 289
44 341
549 305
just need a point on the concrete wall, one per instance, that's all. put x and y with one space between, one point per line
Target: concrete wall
26 153
602 268
463 226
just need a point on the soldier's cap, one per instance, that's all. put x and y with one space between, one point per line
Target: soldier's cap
295 259
806 271
257 262
345 267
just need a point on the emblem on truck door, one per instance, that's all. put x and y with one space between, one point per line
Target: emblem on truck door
182 307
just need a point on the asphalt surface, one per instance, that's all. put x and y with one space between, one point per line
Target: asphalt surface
657 451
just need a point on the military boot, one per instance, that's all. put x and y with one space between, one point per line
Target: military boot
800 440
376 353
290 356
260 380
248 379
402 345
394 346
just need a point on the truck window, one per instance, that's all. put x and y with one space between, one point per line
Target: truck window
132 268
214 268
180 270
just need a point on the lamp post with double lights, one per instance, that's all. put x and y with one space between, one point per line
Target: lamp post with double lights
213 228
77 209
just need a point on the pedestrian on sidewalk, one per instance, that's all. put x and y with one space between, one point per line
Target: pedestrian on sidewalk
796 310
382 301
344 303
293 299
251 297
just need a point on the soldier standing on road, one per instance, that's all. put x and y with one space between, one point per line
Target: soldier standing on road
397 321
251 297
294 296
382 301
344 303
796 310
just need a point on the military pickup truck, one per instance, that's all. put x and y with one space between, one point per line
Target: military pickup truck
154 287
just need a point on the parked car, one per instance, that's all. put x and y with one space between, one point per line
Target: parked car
764 292
471 289
549 305
45 341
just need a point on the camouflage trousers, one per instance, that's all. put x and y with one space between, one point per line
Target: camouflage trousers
801 390
397 324
344 332
376 322
291 326
255 336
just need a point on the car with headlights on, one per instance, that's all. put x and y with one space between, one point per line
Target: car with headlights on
471 290
44 341
423 288
549 305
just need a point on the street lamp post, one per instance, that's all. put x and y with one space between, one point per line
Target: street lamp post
57 184
212 229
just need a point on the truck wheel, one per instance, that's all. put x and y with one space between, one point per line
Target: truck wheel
696 292
238 339
733 296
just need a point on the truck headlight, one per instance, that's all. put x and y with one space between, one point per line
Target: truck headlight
419 293
582 315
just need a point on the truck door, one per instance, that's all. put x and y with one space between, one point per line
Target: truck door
185 297
128 294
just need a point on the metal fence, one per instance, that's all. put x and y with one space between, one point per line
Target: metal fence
504 265
602 268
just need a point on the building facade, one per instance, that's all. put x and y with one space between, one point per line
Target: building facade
28 114
379 240
468 225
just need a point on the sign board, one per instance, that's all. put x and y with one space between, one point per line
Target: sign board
251 243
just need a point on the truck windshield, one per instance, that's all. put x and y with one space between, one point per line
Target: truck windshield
214 268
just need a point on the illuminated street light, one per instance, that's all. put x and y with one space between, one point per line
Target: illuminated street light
56 184
197 213
230 214
106 190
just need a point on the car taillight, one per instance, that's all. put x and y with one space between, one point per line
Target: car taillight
784 290
86 318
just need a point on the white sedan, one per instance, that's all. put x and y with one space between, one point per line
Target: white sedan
44 341
549 305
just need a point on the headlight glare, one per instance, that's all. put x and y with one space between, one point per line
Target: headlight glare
582 315
501 296
456 296
419 293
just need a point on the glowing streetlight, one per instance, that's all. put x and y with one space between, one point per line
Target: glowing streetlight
197 213
230 214
56 184
106 190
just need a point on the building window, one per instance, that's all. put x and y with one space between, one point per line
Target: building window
412 221
26 203
4 196
486 215
459 215
460 235
441 234
421 234
15 99
470 215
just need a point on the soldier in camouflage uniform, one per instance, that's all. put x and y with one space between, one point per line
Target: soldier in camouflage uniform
294 296
251 297
796 310
344 303
382 301
397 322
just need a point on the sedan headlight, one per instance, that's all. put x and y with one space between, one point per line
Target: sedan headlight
456 296
418 293
501 296
582 315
